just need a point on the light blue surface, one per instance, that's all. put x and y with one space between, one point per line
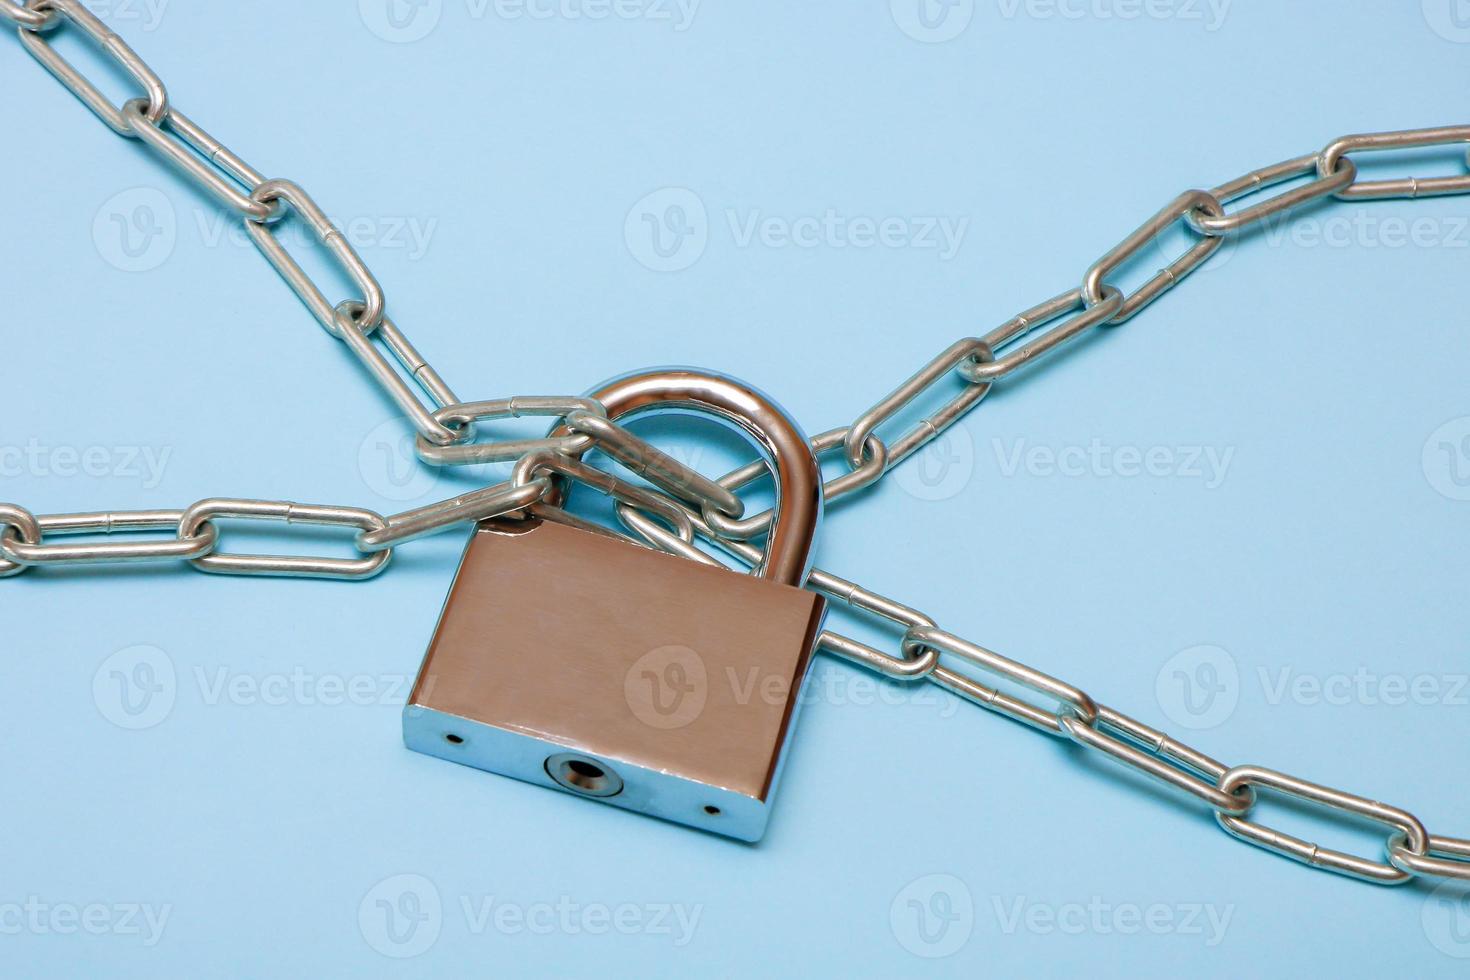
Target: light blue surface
270 820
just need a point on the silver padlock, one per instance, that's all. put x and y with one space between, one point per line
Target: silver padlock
583 663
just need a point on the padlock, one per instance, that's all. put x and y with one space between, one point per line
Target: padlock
587 664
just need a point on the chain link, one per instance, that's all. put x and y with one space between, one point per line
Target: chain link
58 12
195 544
446 435
1335 151
22 16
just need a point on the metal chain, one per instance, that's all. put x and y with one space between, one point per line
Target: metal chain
696 506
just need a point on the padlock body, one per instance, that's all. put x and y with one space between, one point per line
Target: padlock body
583 663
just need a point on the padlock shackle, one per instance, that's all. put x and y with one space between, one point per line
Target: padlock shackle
798 507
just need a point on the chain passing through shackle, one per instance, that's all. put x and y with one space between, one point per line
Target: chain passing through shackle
538 667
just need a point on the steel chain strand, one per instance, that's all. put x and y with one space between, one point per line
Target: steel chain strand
1230 793
191 150
1337 172
1335 175
23 535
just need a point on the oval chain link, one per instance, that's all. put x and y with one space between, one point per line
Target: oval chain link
75 12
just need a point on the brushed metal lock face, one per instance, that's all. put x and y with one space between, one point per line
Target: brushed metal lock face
640 679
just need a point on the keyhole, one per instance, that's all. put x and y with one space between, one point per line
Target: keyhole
583 775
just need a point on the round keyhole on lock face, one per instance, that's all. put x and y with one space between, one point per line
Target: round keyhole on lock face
581 774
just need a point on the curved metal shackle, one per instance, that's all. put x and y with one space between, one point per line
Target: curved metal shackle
798 478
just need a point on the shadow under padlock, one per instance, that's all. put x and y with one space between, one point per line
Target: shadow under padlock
584 663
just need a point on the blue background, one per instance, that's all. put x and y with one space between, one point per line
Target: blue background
267 828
